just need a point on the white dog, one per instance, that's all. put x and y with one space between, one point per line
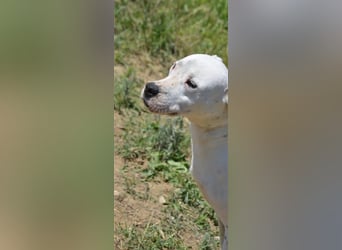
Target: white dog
197 88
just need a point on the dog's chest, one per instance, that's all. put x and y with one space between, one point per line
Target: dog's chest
209 169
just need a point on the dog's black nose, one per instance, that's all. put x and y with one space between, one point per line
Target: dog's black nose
151 89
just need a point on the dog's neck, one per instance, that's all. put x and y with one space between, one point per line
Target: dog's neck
201 136
209 141
207 145
209 122
209 134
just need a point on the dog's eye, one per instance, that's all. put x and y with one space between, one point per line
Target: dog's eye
191 83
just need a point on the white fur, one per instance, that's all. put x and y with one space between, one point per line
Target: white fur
206 107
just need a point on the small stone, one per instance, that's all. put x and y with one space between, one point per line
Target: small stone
116 193
162 200
118 196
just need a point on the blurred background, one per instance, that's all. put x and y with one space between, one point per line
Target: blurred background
56 129
285 125
156 203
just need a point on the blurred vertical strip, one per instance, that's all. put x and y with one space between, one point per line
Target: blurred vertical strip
56 125
285 121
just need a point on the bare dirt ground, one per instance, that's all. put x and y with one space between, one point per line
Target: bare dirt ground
128 209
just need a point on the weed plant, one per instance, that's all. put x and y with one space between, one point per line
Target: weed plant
125 91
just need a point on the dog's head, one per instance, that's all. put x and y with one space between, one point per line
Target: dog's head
196 87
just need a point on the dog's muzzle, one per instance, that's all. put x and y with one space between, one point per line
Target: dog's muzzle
151 90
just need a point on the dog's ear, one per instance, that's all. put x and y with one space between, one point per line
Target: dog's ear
217 57
225 97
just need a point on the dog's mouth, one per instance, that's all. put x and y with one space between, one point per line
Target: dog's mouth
145 102
162 110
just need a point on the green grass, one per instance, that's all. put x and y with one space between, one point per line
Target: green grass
154 139
170 29
148 33
152 236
